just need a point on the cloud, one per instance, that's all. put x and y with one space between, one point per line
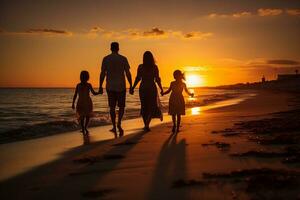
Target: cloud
48 31
37 31
154 32
287 69
269 12
96 31
262 63
262 12
293 12
282 62
196 35
271 62
158 33
230 15
93 32
242 14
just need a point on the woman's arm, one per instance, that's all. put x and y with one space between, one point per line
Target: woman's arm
74 97
187 91
92 90
158 80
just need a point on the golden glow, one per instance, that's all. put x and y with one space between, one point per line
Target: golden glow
194 80
53 56
195 111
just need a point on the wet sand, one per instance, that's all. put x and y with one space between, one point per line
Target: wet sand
154 165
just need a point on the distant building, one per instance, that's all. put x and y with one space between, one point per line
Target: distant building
284 77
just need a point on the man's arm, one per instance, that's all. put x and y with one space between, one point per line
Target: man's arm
128 74
102 76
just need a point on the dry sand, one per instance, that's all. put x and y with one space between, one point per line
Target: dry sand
154 165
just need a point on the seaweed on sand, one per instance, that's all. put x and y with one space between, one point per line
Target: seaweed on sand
262 183
261 154
219 145
187 183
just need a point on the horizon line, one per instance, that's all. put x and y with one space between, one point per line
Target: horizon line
34 87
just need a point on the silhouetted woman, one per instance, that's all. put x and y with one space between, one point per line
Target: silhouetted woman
148 74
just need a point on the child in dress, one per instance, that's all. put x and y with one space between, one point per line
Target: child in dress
176 101
84 107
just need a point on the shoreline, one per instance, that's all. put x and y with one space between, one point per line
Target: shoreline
150 163
50 128
71 139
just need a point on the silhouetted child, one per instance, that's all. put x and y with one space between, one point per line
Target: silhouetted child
84 107
176 101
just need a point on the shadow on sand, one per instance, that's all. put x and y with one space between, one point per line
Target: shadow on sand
66 179
171 165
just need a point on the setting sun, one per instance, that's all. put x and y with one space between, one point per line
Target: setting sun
194 80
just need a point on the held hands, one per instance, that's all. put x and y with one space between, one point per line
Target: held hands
100 90
162 93
192 94
131 90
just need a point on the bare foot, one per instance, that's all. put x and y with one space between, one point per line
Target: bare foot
146 129
121 131
114 130
173 129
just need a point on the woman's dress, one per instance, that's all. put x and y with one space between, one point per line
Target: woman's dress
148 91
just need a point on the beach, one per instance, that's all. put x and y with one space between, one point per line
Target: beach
208 159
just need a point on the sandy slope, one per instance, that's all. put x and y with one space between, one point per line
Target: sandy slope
145 165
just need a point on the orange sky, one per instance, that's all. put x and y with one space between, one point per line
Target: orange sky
47 44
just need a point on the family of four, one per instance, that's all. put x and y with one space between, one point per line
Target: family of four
114 68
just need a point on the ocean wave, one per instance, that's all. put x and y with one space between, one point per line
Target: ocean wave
45 129
67 122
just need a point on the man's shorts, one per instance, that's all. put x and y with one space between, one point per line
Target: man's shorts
116 98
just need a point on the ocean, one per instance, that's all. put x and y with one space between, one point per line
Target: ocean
31 112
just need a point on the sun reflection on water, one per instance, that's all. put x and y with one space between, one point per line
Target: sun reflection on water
196 111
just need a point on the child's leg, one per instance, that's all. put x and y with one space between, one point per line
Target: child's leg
82 124
87 120
113 118
174 123
178 122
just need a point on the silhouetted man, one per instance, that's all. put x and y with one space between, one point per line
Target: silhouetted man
114 67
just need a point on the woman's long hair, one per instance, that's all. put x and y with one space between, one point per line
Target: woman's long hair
148 60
